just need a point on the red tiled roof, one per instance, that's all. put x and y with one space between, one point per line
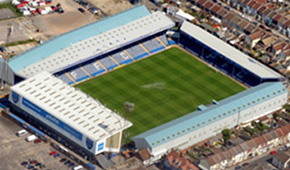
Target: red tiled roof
279 133
144 154
287 23
263 139
279 46
261 9
256 6
229 16
215 9
284 130
277 17
251 3
208 5
243 23
269 5
201 2
256 35
267 11
222 12
261 1
288 128
258 141
211 161
287 52
250 28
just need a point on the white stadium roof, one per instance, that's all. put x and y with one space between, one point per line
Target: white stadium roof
228 51
73 107
100 44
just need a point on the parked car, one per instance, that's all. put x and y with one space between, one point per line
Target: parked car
245 164
62 160
52 153
71 165
37 141
273 152
56 155
67 162
81 10
24 163
21 132
238 167
30 167
33 162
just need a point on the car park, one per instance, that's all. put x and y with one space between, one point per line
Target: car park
67 162
22 132
30 167
71 165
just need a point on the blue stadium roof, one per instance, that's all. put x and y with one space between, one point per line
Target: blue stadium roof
199 119
65 40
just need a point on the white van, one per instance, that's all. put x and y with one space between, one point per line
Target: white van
21 132
78 167
31 138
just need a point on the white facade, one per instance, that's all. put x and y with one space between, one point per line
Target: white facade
72 113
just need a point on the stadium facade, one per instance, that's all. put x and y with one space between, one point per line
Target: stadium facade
203 124
95 48
68 115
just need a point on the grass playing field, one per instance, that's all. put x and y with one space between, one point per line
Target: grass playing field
163 87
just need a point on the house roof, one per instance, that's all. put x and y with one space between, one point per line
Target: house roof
202 2
243 24
287 23
236 20
279 46
256 35
282 156
251 3
267 11
256 6
287 52
251 28
272 14
279 132
229 16
258 141
263 139
277 17
176 161
208 5
261 9
215 8
222 12
144 154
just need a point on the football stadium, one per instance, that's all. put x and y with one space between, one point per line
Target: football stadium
74 86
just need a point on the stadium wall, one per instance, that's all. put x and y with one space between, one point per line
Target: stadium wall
32 109
205 132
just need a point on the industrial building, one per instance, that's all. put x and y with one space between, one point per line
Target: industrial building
207 122
68 115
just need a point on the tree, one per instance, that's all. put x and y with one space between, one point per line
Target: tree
226 135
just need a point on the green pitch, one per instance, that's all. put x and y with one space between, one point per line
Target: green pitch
163 87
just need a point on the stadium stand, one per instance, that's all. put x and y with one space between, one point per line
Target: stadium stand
93 68
136 51
226 58
108 62
163 38
121 31
77 73
65 78
121 57
152 45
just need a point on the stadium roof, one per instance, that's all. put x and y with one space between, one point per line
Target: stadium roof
90 41
71 106
228 51
198 119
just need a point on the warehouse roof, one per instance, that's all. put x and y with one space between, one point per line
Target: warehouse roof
90 41
225 108
228 51
71 106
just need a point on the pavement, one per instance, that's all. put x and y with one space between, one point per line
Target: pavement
15 150
18 33
111 7
6 13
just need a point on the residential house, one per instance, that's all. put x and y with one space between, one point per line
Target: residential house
254 38
174 161
144 156
265 16
281 160
277 47
207 6
277 19
281 136
222 13
254 9
265 41
201 3
283 25
215 9
227 18
242 25
235 21
259 145
250 29
286 27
